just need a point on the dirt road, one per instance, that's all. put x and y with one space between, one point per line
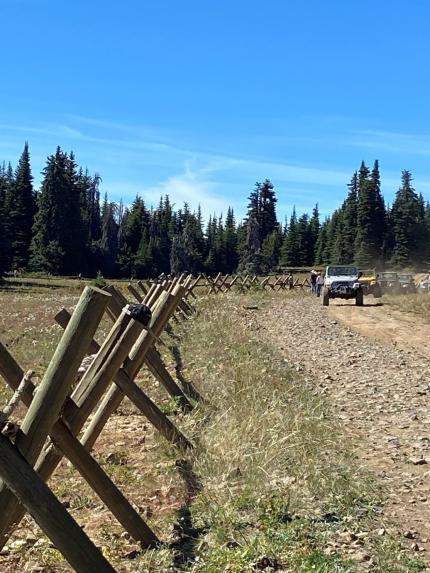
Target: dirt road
372 363
380 322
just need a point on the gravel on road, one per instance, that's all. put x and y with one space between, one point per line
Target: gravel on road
379 389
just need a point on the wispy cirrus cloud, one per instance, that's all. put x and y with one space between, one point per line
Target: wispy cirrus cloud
142 160
390 141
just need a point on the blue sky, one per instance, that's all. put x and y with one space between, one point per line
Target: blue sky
200 99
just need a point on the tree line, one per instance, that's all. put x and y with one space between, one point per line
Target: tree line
64 228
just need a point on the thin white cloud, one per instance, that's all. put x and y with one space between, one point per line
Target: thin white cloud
186 187
214 180
390 141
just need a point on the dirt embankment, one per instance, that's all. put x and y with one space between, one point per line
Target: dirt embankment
372 363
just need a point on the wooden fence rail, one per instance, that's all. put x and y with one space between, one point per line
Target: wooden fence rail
58 412
223 283
65 418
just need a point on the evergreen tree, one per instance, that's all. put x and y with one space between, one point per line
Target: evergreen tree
250 262
314 229
47 253
271 251
266 209
59 236
333 252
408 223
20 206
290 245
305 255
109 239
178 256
370 218
349 222
230 241
5 250
321 245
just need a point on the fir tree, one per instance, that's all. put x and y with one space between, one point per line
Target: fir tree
370 218
290 243
408 223
349 222
250 262
230 242
271 251
321 245
314 229
5 250
21 208
266 209
109 239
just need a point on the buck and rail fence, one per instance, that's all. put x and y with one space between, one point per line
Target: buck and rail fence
64 418
204 284
83 385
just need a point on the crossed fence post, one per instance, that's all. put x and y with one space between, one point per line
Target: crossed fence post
124 335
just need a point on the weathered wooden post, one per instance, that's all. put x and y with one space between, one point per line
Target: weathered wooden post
135 293
95 476
67 536
54 387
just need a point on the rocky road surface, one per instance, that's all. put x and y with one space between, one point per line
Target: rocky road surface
372 363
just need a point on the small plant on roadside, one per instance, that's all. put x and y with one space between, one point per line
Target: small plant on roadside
99 281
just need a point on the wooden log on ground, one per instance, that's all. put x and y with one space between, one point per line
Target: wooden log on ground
49 513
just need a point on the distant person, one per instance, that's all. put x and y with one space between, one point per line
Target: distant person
319 283
313 281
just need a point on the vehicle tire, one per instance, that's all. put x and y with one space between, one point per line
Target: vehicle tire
325 297
377 292
359 297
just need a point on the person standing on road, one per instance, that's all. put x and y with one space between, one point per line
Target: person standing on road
319 283
313 281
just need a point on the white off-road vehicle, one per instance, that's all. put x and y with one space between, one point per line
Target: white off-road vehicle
341 281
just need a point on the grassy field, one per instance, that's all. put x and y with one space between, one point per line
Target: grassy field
417 304
271 484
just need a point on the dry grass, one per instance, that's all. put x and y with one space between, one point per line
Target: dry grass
277 480
417 304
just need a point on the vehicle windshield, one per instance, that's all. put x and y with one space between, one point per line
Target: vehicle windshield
367 272
405 277
338 271
389 276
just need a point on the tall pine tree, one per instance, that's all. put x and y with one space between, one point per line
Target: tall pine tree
21 208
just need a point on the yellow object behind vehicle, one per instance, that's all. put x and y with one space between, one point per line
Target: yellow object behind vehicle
369 282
